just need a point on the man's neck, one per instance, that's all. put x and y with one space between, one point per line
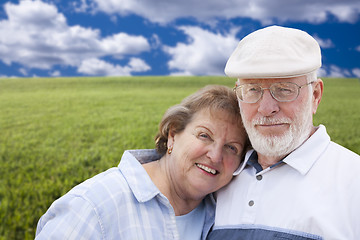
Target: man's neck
266 161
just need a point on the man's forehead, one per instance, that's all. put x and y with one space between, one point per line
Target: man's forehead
272 80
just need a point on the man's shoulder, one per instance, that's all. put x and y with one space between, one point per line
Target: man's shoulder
338 151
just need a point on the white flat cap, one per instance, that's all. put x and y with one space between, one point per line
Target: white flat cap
274 52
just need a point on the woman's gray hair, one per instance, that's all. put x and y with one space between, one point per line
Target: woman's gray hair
211 97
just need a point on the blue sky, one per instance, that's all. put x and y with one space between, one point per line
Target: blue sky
59 38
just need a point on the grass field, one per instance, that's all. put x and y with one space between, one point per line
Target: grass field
56 132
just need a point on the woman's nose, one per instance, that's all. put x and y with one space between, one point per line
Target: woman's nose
215 153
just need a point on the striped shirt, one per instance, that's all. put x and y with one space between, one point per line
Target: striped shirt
120 203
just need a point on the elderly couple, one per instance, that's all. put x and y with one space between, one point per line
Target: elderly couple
206 180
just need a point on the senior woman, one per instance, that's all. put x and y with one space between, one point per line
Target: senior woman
162 193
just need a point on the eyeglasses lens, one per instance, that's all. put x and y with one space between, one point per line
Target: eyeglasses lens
283 92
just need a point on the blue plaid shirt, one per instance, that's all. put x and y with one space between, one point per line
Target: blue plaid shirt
120 203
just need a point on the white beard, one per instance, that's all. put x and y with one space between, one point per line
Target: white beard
280 146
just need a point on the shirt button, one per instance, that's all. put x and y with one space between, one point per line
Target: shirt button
251 203
259 177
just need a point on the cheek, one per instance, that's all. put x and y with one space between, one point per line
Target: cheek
196 147
229 169
247 112
192 150
298 108
230 165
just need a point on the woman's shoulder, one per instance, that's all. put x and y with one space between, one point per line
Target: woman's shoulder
104 185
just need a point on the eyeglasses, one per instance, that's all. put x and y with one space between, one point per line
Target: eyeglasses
281 91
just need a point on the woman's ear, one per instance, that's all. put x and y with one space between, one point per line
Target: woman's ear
317 94
171 139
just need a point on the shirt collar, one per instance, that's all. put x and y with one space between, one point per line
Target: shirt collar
244 163
136 176
301 159
304 157
253 161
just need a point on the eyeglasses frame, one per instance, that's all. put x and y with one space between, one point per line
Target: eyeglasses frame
262 90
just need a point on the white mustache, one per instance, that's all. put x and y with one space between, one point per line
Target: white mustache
270 121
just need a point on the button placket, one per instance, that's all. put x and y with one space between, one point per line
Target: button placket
251 202
254 192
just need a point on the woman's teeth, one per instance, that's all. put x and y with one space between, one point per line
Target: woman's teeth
206 169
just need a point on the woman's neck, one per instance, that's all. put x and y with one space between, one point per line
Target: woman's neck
160 176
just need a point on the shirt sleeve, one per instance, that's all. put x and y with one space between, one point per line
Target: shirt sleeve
70 217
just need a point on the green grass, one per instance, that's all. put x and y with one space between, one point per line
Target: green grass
339 111
56 132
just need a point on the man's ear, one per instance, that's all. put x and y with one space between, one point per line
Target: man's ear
317 94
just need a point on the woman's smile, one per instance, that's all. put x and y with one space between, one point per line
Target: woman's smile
207 169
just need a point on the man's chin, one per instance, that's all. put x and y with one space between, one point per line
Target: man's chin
271 145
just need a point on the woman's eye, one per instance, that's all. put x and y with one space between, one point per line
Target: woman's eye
204 135
232 149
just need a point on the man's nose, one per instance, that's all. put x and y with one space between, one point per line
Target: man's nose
268 105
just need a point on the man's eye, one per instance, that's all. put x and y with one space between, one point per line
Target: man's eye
285 91
253 89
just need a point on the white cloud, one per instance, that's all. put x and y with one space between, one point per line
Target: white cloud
356 72
321 72
334 71
164 11
155 41
324 43
123 44
99 67
138 65
81 6
205 53
23 71
36 35
358 48
5 76
55 74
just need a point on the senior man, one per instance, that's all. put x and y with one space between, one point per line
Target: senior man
296 183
